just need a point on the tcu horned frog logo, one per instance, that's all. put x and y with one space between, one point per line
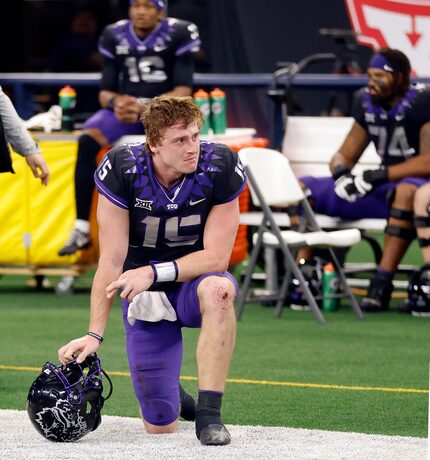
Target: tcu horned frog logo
401 24
57 421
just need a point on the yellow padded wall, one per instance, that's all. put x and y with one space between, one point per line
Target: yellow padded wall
44 214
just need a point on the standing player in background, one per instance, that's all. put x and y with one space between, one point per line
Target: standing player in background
395 116
145 56
12 130
160 211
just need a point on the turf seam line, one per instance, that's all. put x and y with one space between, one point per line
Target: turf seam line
261 382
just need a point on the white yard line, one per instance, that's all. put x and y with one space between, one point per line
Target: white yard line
124 438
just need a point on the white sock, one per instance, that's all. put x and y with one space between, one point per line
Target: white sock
82 225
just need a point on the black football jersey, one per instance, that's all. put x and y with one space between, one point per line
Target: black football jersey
150 66
395 132
165 226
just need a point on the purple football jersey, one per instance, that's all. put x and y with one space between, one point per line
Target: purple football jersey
395 132
152 65
166 224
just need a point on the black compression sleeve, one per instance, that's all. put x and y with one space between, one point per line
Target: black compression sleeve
183 70
110 76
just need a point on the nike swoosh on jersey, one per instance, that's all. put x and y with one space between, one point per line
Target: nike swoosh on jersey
193 203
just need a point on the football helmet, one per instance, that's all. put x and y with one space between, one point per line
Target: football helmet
419 292
64 402
312 272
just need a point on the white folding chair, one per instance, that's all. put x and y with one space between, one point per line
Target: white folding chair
272 183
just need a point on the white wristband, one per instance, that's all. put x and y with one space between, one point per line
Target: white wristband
165 271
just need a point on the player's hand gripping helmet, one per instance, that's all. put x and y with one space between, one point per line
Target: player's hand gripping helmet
64 402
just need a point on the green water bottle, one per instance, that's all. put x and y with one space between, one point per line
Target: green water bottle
218 111
330 285
67 100
201 98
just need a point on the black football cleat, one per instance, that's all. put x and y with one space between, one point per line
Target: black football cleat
188 405
215 435
78 240
378 296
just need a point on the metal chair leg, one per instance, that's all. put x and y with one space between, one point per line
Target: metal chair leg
247 280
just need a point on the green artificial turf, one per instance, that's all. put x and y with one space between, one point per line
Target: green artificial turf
383 351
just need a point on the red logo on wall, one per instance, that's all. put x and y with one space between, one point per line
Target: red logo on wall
404 25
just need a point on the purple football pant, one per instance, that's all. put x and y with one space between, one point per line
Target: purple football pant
154 353
374 205
106 121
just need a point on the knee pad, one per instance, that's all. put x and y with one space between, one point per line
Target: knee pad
423 242
159 411
402 214
422 222
407 234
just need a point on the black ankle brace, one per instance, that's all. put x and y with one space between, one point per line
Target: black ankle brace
208 410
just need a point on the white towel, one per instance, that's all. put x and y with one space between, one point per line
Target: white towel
151 306
50 120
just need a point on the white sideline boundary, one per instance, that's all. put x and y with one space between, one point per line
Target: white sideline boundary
124 438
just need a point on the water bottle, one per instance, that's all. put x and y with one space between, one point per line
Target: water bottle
67 99
330 284
201 98
218 111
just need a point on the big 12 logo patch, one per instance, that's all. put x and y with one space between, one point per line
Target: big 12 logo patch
404 25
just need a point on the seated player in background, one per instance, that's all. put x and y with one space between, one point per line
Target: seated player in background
395 116
145 56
